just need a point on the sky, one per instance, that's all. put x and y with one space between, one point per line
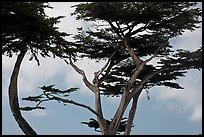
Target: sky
168 112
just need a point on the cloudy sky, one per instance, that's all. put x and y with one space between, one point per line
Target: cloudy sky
172 112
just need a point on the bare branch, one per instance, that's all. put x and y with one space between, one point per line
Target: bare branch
106 73
112 63
96 74
93 88
71 102
136 73
41 102
122 37
81 105
141 84
80 71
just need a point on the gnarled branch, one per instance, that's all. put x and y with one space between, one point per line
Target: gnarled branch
80 71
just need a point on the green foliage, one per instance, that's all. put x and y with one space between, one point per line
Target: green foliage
53 90
33 98
166 17
49 93
94 124
31 108
147 26
25 25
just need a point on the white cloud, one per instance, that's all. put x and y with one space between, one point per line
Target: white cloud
31 76
187 101
189 40
38 113
197 114
68 24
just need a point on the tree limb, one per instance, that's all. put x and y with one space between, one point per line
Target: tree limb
112 63
115 123
136 73
134 57
95 89
155 53
13 96
132 114
141 84
82 105
129 28
101 120
71 102
125 40
96 74
80 71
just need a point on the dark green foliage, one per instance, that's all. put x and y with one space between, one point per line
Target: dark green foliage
49 93
33 98
53 90
25 25
31 108
147 26
94 124
166 17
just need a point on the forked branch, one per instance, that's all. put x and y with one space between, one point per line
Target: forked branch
96 74
80 71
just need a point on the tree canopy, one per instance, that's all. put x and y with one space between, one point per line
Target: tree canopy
147 28
25 25
128 35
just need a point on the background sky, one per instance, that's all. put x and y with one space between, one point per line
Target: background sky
168 112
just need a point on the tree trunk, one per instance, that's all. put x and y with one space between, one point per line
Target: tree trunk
132 113
113 127
101 121
13 97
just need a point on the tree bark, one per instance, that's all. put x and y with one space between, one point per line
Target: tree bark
13 97
101 120
113 127
132 113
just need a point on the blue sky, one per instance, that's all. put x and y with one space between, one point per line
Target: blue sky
168 112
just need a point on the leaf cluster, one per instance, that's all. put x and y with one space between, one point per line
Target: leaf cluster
49 93
25 25
94 124
166 17
147 26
